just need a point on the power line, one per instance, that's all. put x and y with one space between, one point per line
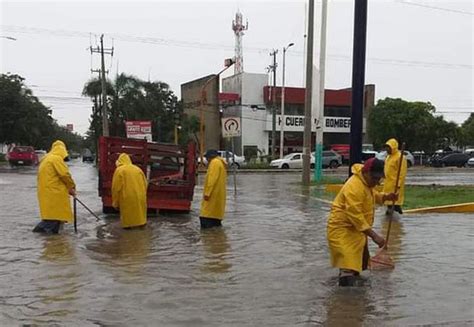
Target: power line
217 46
455 11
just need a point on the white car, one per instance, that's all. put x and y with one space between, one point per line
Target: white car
231 160
470 162
410 158
292 160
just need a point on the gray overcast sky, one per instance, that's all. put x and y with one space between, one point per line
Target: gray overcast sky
416 50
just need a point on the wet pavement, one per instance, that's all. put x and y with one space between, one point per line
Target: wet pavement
267 266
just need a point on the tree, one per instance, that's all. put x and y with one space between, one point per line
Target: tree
133 99
24 119
411 122
467 131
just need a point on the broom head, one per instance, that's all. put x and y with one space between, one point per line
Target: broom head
381 260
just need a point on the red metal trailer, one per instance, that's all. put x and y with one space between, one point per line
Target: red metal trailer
170 171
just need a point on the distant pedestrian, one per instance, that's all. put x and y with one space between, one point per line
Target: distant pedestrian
214 193
391 170
351 220
129 188
55 185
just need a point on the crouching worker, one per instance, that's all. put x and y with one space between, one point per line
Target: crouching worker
214 193
129 187
351 220
55 185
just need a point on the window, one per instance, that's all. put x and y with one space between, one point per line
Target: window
296 157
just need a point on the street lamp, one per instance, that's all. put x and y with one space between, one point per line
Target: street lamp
227 63
282 114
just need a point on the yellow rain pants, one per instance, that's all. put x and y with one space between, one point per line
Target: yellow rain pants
129 187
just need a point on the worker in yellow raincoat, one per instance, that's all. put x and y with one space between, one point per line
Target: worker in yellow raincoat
351 220
55 185
129 187
214 194
391 170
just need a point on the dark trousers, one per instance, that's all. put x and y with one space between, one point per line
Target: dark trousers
48 227
396 208
210 222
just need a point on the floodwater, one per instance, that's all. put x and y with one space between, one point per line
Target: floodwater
268 265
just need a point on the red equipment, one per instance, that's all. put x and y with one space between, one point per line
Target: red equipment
170 170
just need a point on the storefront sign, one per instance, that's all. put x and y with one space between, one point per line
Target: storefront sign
139 130
296 124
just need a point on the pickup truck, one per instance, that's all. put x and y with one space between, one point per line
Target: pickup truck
22 155
170 170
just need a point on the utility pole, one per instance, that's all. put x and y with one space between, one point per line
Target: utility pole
322 69
102 71
308 99
282 111
273 69
358 81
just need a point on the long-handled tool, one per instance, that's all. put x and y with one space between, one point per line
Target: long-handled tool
86 207
382 260
75 214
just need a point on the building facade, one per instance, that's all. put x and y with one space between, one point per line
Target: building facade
254 108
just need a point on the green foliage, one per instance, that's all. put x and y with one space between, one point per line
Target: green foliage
130 98
25 120
467 131
412 123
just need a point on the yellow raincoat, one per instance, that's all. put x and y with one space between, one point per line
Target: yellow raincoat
129 187
54 183
352 213
215 188
391 169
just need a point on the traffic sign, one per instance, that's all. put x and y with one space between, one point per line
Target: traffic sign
231 127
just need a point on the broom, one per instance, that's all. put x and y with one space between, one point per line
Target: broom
382 260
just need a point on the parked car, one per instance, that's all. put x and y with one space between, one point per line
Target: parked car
40 154
452 159
343 150
87 156
22 155
367 154
470 162
382 155
231 160
292 160
331 159
469 152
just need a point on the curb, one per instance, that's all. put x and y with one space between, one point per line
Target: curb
452 208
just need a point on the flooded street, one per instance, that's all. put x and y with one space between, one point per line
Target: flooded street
268 265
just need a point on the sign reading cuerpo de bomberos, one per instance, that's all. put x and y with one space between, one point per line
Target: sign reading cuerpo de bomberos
139 129
296 124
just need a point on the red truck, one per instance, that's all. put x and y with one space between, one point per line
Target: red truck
22 155
170 171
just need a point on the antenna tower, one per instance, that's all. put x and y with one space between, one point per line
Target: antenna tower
238 27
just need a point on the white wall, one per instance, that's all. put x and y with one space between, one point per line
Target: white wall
250 88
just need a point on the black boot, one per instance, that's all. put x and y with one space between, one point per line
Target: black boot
347 280
399 209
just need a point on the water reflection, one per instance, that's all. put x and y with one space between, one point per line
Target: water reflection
57 290
396 235
216 247
348 306
126 251
58 248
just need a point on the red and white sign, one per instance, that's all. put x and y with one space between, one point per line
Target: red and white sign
138 129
